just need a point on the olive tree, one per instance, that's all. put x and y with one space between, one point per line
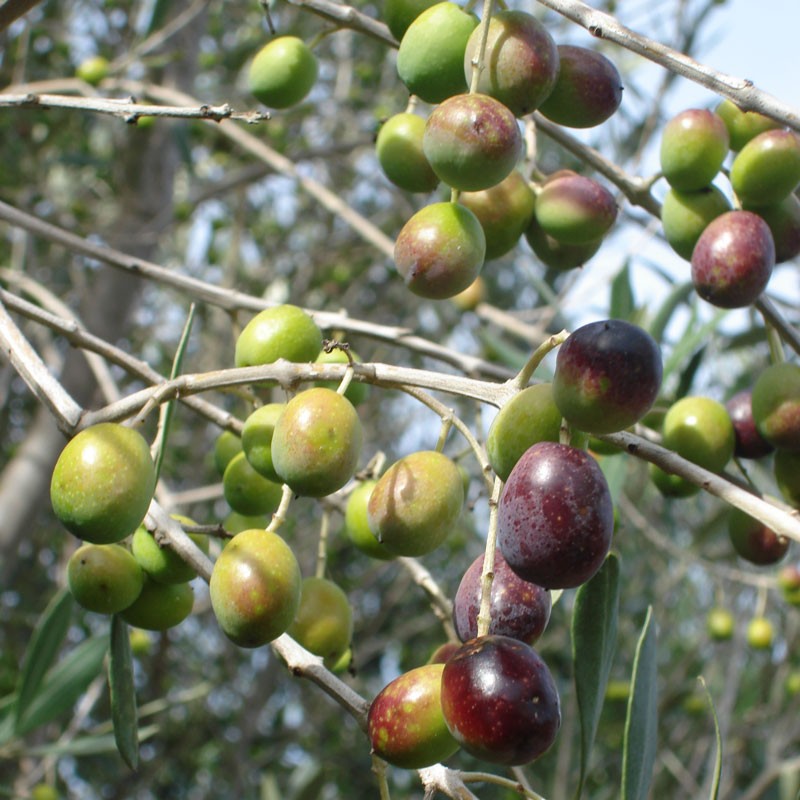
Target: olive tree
152 206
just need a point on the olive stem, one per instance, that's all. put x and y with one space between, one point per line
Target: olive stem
346 379
498 780
772 316
478 61
379 768
322 545
440 603
279 517
444 412
776 354
520 381
761 602
447 424
487 573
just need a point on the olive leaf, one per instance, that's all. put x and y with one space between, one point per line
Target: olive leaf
594 634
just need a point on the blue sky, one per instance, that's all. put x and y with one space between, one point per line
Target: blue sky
757 39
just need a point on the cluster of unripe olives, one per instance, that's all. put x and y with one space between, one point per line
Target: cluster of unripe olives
555 521
471 141
732 244
490 693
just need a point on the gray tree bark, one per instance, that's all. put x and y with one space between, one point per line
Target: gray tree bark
148 163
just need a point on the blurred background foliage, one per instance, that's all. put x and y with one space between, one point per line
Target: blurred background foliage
233 723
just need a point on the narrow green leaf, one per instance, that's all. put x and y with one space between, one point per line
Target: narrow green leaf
123 693
689 373
615 471
594 634
45 643
675 299
86 745
690 341
718 736
65 683
165 417
622 302
503 351
641 724
7 706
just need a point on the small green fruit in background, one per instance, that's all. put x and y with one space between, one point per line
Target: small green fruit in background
530 416
104 577
248 492
429 64
694 144
44 791
283 72
162 563
793 682
93 70
504 212
399 151
700 430
399 14
588 89
440 251
356 392
257 439
317 442
618 691
356 522
416 503
324 621
767 168
521 62
405 723
760 633
140 642
160 606
472 141
103 483
255 588
685 215
226 446
776 405
720 624
575 209
284 331
743 125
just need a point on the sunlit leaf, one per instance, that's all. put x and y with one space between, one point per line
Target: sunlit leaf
623 304
87 745
65 683
641 724
123 693
594 634
718 738
45 643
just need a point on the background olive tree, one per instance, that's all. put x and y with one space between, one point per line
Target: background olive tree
118 220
